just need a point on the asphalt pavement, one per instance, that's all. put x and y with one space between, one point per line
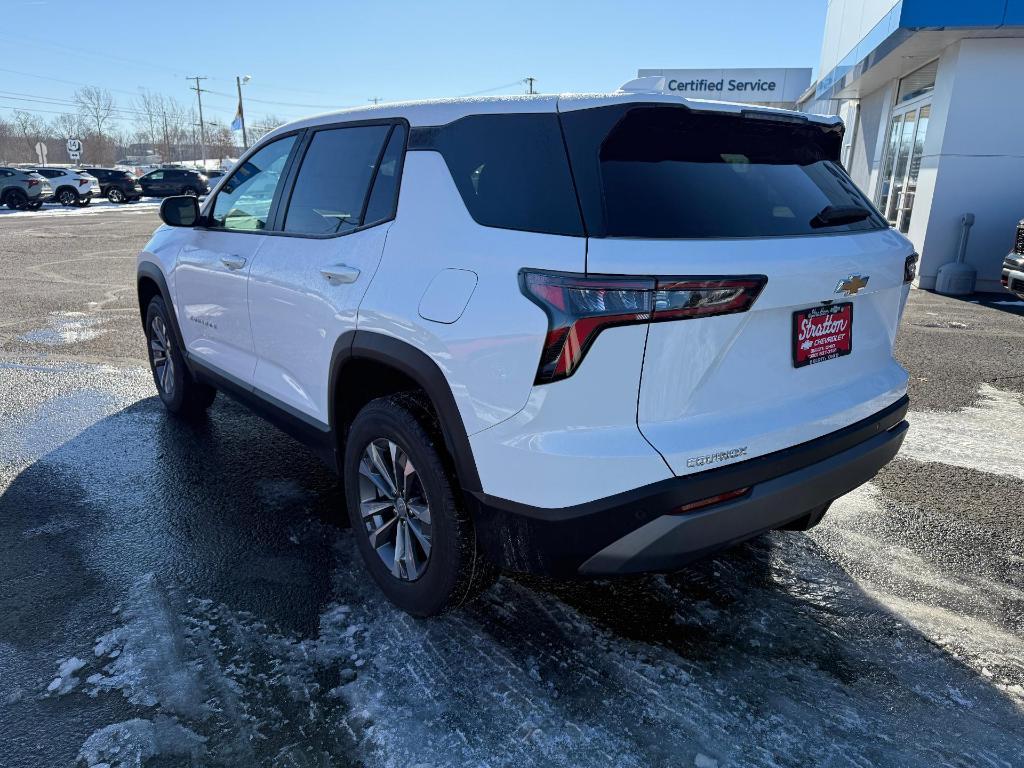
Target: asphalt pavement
178 594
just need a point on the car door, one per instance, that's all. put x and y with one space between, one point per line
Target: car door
307 282
212 269
151 182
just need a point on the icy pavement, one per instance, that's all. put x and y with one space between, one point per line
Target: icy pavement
179 595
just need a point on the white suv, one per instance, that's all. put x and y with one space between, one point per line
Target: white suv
70 185
577 334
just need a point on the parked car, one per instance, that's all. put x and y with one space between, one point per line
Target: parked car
213 176
1013 264
117 186
173 181
71 186
25 190
600 334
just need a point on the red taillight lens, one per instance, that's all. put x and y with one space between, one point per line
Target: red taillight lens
910 268
32 182
83 182
720 498
579 307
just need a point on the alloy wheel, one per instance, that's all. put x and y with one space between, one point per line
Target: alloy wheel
394 509
160 355
67 197
116 196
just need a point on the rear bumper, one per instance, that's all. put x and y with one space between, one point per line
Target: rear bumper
637 531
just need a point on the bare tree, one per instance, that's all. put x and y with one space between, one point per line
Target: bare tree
7 141
96 106
66 126
29 128
264 126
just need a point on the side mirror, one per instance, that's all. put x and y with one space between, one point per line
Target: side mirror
180 211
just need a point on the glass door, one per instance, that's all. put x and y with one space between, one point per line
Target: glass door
902 164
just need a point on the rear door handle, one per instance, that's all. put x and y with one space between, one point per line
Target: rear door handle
233 262
338 274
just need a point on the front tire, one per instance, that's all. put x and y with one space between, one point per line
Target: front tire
181 394
115 195
415 538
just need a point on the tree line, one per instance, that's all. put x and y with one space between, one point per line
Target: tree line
151 123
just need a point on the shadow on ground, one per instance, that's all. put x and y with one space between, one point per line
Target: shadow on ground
199 575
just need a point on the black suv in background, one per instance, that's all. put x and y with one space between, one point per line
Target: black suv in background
174 181
117 186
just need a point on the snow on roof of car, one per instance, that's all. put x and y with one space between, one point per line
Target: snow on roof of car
443 111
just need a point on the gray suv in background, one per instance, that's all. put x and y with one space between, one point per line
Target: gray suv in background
25 190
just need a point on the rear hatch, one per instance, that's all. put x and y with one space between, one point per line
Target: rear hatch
674 193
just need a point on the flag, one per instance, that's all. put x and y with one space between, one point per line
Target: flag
236 124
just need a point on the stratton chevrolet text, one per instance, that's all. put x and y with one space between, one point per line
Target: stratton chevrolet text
577 334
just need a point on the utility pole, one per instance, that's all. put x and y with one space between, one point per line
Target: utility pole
529 85
241 112
375 99
202 130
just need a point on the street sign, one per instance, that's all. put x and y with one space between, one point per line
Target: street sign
74 155
74 145
41 152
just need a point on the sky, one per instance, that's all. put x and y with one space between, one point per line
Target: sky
309 56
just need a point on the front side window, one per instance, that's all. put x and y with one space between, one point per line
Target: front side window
333 183
669 172
156 176
243 203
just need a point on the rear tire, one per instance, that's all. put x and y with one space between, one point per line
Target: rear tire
190 191
181 394
15 199
34 206
115 195
426 560
67 197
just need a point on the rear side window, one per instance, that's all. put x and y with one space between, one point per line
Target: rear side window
511 171
334 180
669 172
384 196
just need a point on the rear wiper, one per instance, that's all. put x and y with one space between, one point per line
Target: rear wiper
831 215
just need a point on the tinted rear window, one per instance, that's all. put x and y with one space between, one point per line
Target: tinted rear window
668 172
511 171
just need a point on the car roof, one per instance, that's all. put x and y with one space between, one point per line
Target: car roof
443 111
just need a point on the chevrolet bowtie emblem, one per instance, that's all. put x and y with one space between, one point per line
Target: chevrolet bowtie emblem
852 284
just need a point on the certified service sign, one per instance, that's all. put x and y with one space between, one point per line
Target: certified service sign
751 86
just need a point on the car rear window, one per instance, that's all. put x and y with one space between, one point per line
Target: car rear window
511 170
669 172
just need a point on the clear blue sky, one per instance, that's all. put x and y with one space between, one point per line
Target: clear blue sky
311 55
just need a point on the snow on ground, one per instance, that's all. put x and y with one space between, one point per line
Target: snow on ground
985 436
840 647
65 328
145 205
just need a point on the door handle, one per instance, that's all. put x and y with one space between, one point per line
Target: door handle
233 262
338 274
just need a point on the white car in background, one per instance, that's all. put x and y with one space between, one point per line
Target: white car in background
71 186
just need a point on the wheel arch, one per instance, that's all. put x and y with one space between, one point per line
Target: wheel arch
151 282
392 365
62 187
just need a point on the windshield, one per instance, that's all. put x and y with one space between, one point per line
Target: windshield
669 172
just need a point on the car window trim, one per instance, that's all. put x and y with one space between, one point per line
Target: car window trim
211 201
294 173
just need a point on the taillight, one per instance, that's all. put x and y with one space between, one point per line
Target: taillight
83 182
579 307
32 182
910 268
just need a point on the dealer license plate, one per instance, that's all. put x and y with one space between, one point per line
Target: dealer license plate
822 333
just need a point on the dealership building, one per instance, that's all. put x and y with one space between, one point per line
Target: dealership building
932 94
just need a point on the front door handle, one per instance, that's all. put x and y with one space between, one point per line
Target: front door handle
233 262
337 274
